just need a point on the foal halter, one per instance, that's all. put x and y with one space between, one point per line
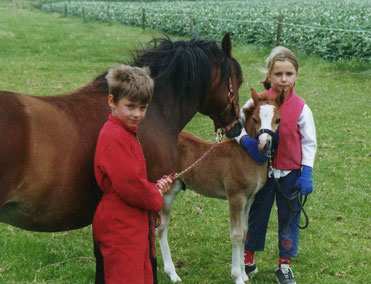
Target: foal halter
231 104
275 138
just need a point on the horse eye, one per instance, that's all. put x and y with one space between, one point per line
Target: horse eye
255 121
278 120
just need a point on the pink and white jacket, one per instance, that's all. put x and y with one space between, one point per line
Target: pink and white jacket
297 145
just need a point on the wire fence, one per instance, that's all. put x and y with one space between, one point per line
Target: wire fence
328 42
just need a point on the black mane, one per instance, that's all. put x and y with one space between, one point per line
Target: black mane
187 65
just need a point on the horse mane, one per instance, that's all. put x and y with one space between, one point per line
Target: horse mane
186 63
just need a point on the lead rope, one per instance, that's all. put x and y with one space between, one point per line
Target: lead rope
218 138
296 195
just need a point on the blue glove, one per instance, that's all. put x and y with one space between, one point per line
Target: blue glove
252 146
305 181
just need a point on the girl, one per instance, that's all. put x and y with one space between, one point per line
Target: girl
292 165
121 221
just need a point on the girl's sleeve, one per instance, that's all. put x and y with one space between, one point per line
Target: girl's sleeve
308 136
248 104
122 168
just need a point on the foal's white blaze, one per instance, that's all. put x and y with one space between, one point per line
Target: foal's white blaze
266 115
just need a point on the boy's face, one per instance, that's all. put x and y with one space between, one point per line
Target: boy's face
129 112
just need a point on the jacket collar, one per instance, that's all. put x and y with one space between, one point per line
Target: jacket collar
115 120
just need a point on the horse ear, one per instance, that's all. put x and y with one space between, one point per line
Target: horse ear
254 96
227 45
281 98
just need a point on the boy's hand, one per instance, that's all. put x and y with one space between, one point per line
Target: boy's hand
164 184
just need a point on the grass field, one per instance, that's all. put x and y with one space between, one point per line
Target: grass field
42 54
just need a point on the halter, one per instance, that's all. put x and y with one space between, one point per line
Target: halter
231 103
275 138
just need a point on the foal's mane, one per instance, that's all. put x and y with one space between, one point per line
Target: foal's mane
186 64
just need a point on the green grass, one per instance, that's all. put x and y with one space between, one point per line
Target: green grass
42 54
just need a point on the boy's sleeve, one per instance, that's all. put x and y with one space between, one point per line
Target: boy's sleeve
122 169
308 136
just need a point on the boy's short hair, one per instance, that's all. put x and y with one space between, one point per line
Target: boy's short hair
134 83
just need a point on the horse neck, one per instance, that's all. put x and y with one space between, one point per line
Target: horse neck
170 108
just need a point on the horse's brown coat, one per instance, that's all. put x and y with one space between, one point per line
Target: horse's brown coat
47 146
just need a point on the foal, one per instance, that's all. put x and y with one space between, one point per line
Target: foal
237 177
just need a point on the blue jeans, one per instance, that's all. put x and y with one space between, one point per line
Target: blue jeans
288 231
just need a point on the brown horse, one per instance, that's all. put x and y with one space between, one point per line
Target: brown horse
47 144
228 172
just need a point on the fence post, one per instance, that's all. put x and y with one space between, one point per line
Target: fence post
108 15
191 23
143 19
279 28
65 10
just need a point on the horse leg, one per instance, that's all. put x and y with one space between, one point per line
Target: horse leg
163 229
236 214
245 219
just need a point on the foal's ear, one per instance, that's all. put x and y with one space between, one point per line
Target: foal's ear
254 96
227 45
281 98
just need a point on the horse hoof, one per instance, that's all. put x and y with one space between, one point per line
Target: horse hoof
175 278
240 281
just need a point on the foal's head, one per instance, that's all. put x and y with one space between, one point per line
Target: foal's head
263 118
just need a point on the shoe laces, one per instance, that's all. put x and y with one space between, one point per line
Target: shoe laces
286 271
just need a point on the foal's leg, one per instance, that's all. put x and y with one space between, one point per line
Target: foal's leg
245 219
163 228
236 214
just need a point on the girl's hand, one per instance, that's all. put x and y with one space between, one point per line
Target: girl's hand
164 184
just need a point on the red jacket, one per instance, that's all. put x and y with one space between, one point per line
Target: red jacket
289 152
120 224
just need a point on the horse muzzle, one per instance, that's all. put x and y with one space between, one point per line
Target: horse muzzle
265 144
235 130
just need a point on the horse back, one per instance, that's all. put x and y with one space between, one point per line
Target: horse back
226 171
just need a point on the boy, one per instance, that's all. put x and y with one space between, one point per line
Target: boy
121 221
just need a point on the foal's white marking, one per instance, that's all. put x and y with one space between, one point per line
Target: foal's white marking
266 115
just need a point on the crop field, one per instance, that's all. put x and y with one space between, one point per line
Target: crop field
46 53
329 28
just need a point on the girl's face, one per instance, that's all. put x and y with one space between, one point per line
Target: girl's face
129 112
282 77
